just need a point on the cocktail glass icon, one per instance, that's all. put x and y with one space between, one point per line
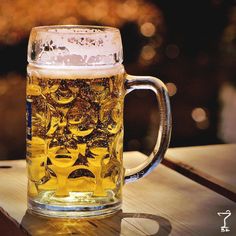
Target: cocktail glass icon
227 214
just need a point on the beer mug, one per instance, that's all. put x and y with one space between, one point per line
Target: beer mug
76 85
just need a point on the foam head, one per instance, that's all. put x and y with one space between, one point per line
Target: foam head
75 46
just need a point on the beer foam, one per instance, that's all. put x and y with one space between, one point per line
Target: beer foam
89 72
75 46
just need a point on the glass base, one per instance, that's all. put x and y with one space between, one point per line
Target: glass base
73 207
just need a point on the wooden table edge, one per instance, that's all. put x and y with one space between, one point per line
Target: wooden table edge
202 178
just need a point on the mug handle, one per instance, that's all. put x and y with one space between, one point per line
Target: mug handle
163 138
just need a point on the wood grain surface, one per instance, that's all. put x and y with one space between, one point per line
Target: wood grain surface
213 166
163 203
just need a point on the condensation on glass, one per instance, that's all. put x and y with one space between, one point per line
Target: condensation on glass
76 86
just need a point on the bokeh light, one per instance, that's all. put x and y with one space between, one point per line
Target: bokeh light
148 29
199 115
148 52
172 89
203 125
16 20
3 87
172 51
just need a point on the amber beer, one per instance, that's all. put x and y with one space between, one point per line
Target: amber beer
74 136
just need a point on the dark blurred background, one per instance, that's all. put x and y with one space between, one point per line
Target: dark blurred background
190 45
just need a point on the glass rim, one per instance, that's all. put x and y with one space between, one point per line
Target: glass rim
58 29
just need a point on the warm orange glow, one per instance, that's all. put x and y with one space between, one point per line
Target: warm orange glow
172 89
148 52
203 125
3 87
199 114
148 29
17 19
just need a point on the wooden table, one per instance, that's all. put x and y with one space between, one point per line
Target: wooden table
180 197
213 166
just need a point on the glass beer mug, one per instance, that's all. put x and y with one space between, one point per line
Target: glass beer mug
76 86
